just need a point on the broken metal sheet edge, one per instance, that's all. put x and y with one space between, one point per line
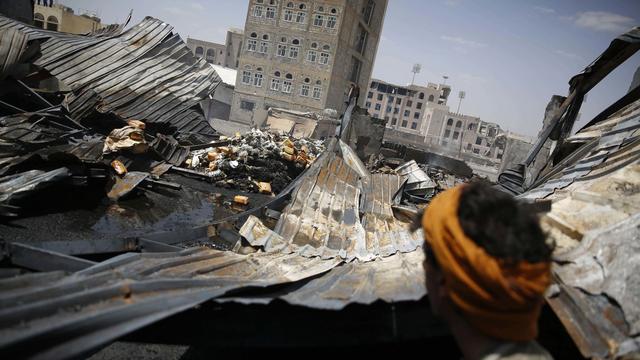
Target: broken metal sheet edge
132 290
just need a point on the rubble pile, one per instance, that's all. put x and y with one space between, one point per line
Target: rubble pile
257 161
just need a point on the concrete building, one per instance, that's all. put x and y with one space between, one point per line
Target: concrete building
404 107
302 55
213 53
219 105
62 18
233 46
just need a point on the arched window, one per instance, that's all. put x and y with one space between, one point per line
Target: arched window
290 5
254 35
472 126
303 6
326 48
199 51
289 76
52 23
320 8
38 20
276 74
307 80
295 42
450 122
314 45
421 96
459 124
283 39
318 82
265 37
333 11
211 55
272 2
431 98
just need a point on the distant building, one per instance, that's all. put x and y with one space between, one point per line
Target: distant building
303 55
62 18
219 54
213 53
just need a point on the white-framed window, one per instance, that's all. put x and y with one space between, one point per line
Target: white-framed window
288 15
331 22
282 50
317 92
301 17
264 47
257 11
318 20
246 77
312 55
275 84
304 90
271 13
286 86
324 58
293 52
252 44
257 79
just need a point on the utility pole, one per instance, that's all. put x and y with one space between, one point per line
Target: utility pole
416 69
461 96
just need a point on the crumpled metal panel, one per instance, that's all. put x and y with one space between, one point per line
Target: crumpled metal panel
399 277
607 261
614 137
13 43
145 73
129 291
324 216
18 185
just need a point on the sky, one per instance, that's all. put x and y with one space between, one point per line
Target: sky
509 56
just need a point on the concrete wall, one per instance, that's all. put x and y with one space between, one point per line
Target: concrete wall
67 20
233 45
213 53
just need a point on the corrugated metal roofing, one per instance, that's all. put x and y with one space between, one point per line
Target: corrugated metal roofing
145 73
127 292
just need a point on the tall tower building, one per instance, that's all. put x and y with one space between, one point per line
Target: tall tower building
303 55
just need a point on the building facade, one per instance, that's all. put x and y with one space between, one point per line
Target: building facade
211 52
302 55
420 116
61 18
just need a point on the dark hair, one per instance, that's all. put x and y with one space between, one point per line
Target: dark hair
499 224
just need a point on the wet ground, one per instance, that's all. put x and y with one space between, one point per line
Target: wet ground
65 213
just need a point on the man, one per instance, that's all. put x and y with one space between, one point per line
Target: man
487 267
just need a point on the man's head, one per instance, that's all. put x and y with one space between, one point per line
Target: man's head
486 260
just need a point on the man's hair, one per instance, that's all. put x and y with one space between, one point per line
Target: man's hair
500 225
495 221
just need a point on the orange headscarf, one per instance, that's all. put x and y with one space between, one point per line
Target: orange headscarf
500 300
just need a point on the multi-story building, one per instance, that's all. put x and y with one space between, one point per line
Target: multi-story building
419 116
403 107
212 52
61 18
302 55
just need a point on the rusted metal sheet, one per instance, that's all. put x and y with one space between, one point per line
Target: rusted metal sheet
126 184
144 73
13 43
41 319
399 277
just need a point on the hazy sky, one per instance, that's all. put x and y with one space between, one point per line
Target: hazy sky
509 56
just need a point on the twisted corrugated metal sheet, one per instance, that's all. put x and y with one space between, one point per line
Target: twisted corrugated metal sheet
145 73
